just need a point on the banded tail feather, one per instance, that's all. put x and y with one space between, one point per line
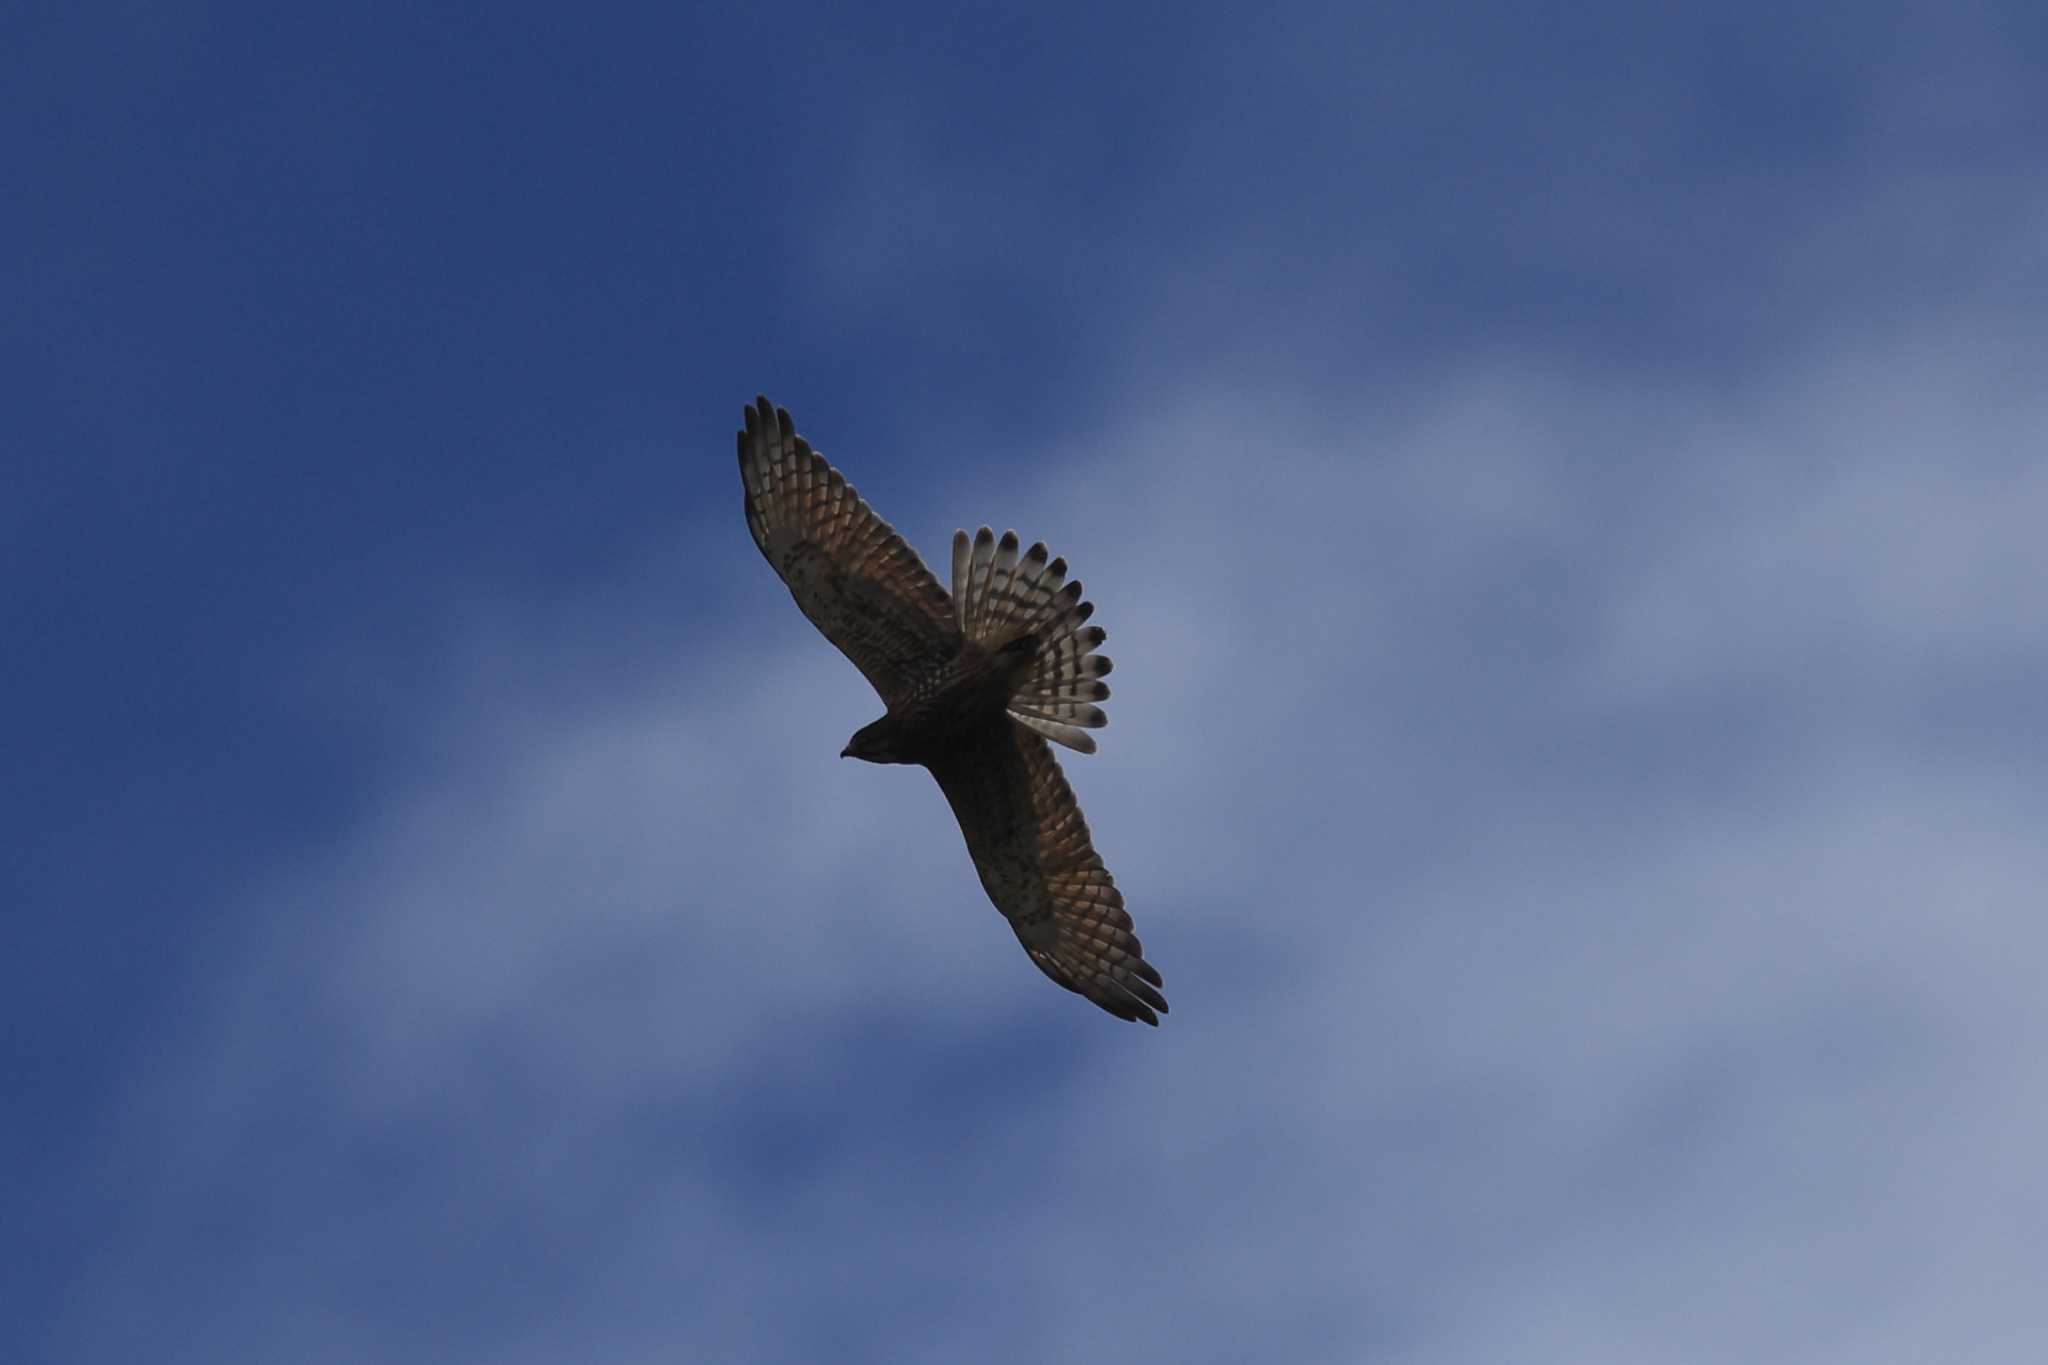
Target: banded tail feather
1001 596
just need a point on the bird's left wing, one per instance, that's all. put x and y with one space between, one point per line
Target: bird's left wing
1031 846
860 583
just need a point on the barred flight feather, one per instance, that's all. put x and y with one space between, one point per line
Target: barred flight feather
1000 596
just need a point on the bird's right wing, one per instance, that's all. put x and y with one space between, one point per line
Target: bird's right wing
858 581
1031 846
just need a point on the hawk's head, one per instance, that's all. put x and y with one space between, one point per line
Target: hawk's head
877 742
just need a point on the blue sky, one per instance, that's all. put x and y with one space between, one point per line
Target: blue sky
1565 490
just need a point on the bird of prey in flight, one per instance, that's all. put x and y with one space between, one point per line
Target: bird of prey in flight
976 682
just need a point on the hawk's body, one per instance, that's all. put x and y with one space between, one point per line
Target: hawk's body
976 682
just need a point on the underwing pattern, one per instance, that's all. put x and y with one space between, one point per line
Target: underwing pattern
976 682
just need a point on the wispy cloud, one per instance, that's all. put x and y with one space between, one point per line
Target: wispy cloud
1587 932
1573 567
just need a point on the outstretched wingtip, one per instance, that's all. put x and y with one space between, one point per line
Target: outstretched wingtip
1131 1009
764 416
1104 963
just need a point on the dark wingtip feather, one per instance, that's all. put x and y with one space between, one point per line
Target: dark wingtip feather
1125 1007
1146 993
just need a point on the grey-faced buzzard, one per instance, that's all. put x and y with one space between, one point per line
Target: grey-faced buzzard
976 683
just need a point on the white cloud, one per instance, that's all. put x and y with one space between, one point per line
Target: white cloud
1588 937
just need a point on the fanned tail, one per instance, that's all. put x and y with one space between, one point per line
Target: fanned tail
1001 597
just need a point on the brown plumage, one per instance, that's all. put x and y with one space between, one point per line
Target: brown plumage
975 683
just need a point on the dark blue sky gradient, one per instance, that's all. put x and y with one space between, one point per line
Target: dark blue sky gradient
329 335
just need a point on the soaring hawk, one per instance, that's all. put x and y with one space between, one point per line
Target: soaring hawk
975 683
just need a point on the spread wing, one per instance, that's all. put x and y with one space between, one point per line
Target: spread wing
1030 844
859 582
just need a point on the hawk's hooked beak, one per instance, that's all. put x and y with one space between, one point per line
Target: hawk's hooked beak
847 752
